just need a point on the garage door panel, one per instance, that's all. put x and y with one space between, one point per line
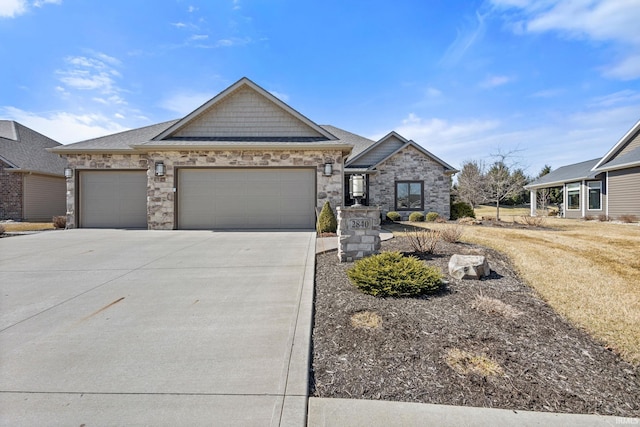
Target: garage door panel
246 198
113 199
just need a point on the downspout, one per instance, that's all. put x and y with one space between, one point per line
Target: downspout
606 194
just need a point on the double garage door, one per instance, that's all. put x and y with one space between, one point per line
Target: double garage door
246 198
206 198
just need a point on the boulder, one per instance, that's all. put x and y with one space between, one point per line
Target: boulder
468 267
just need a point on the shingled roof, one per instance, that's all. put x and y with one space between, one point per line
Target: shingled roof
25 150
575 172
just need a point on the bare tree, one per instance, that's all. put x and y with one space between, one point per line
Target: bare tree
503 180
471 183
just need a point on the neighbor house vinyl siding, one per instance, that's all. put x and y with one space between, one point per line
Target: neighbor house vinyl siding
44 197
632 145
624 192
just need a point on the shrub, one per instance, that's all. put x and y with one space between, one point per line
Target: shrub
589 218
2 229
532 221
390 274
416 217
393 216
441 220
451 233
327 222
603 218
422 240
432 216
468 221
60 221
628 218
461 210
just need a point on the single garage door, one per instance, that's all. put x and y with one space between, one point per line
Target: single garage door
246 198
113 199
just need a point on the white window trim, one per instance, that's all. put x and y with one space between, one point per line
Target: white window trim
567 196
589 189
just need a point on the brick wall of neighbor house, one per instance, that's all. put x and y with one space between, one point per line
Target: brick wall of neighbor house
411 165
10 194
160 195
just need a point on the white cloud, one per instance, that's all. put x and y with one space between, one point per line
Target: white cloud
465 39
547 93
282 96
12 8
64 127
185 102
612 21
621 97
199 37
96 73
179 24
191 9
495 81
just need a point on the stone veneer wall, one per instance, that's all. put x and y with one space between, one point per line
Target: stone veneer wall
358 232
411 165
11 194
160 194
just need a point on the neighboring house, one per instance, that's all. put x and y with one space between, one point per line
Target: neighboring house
609 185
32 184
244 159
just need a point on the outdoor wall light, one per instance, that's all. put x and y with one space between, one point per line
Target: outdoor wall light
68 173
160 169
328 169
357 188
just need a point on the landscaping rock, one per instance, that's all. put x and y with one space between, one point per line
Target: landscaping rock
469 267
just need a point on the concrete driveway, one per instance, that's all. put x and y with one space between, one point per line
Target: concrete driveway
123 327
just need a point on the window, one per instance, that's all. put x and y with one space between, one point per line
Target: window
409 196
595 195
573 196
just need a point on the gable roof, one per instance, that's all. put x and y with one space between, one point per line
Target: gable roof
353 158
569 173
307 130
359 143
25 150
447 167
618 157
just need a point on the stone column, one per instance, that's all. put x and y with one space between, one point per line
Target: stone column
358 232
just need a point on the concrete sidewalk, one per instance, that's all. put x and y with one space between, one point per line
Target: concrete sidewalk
372 413
137 327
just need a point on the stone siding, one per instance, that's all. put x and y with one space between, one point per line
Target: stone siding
358 232
11 194
160 190
411 165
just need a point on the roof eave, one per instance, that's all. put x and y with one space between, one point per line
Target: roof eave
345 148
606 168
64 151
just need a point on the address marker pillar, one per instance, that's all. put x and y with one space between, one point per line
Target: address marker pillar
358 232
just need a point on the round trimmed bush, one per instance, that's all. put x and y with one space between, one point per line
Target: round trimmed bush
327 222
393 216
416 217
462 210
432 216
390 274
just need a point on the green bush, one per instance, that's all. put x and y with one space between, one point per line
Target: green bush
327 222
390 274
432 216
416 217
393 216
462 210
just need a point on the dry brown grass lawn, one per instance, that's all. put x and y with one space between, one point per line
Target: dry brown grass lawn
27 226
587 271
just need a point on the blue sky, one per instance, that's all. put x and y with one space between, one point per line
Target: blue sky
559 81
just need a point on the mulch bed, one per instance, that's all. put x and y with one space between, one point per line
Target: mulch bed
548 364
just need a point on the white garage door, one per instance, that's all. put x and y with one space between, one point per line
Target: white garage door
113 199
246 198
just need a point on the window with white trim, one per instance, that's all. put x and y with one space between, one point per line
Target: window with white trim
595 195
573 196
